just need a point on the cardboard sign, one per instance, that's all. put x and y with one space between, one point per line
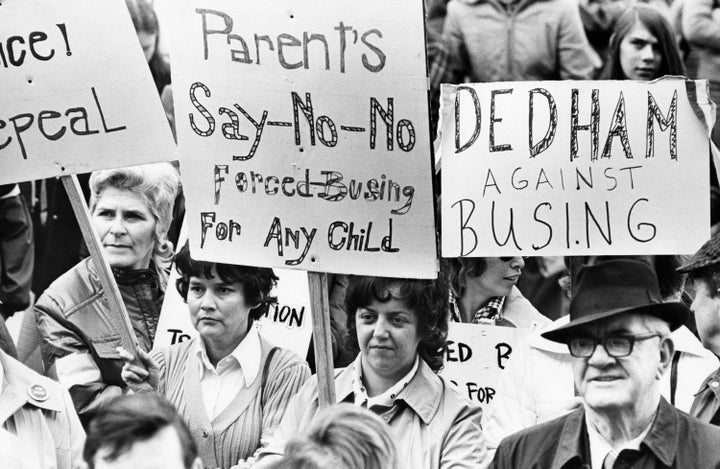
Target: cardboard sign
303 134
476 355
575 168
287 324
77 92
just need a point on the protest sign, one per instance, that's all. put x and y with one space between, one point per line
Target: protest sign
303 134
475 357
575 168
77 91
287 324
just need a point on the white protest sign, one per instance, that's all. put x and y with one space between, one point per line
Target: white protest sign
303 134
476 355
575 168
287 324
77 92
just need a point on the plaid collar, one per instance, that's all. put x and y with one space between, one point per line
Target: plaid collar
490 314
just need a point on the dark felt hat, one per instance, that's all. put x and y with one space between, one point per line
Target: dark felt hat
707 255
616 287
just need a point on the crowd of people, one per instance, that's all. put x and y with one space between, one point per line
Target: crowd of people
619 368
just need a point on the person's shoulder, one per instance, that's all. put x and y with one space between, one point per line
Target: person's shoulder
280 358
521 312
692 427
544 435
42 391
73 287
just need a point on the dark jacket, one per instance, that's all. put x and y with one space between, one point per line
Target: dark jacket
73 318
675 440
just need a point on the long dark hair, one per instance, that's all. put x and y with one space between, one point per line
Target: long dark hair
654 21
427 298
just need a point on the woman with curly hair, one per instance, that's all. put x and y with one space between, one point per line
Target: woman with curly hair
398 327
131 209
230 385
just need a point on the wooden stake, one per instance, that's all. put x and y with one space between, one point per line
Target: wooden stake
119 318
322 338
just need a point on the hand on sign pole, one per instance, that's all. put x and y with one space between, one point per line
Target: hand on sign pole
140 375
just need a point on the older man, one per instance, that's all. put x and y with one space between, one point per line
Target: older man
618 336
704 272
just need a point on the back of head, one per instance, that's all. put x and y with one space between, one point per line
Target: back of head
134 418
658 26
342 436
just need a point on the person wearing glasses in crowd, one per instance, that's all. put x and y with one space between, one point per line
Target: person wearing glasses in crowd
483 291
619 338
537 383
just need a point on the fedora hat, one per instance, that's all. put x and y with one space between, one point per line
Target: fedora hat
616 287
707 255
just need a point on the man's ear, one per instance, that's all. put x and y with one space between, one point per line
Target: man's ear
667 351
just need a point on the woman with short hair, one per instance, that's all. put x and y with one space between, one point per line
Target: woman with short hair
230 385
399 328
131 209
483 290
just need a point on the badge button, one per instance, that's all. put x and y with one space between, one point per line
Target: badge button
38 392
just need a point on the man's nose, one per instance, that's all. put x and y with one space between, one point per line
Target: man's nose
600 357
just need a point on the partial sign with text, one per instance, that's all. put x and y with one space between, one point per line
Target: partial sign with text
303 134
575 168
77 92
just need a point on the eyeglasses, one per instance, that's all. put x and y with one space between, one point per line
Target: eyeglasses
617 346
509 258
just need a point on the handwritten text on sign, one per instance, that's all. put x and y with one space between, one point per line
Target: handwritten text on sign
476 355
303 135
574 168
69 105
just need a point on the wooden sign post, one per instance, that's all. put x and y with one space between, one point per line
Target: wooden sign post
302 131
317 281
120 320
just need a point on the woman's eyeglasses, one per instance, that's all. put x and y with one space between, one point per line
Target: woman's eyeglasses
617 346
508 259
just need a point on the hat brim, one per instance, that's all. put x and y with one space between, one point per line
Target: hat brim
675 313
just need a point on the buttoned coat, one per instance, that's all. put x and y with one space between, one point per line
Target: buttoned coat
432 424
675 441
40 413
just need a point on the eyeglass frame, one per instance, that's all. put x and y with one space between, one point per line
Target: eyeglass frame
509 258
603 341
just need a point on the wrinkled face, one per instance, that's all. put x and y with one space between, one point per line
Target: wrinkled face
640 56
608 383
388 337
707 314
499 275
148 41
126 228
160 451
218 310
